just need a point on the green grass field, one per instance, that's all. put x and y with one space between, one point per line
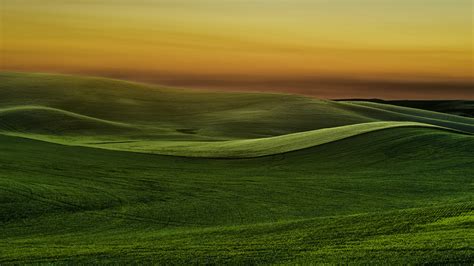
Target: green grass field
456 107
104 171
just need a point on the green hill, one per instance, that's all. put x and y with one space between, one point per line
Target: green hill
391 196
96 171
242 148
391 112
144 113
50 121
216 114
454 107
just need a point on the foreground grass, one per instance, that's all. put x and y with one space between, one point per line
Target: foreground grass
392 196
423 235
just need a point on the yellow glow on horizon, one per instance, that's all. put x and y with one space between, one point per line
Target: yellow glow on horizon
408 39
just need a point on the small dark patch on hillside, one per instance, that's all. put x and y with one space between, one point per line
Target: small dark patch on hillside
187 130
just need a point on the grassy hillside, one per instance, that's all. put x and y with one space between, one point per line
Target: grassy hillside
454 107
391 112
51 121
242 148
229 115
220 115
131 116
337 202
104 171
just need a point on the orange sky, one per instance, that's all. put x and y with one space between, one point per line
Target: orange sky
244 42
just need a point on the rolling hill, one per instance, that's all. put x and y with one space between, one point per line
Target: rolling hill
145 112
455 107
104 171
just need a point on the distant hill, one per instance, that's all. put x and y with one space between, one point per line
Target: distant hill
454 107
123 115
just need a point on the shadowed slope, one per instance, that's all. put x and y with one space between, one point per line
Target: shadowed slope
400 113
51 121
454 107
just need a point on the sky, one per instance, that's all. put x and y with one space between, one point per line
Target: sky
324 48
